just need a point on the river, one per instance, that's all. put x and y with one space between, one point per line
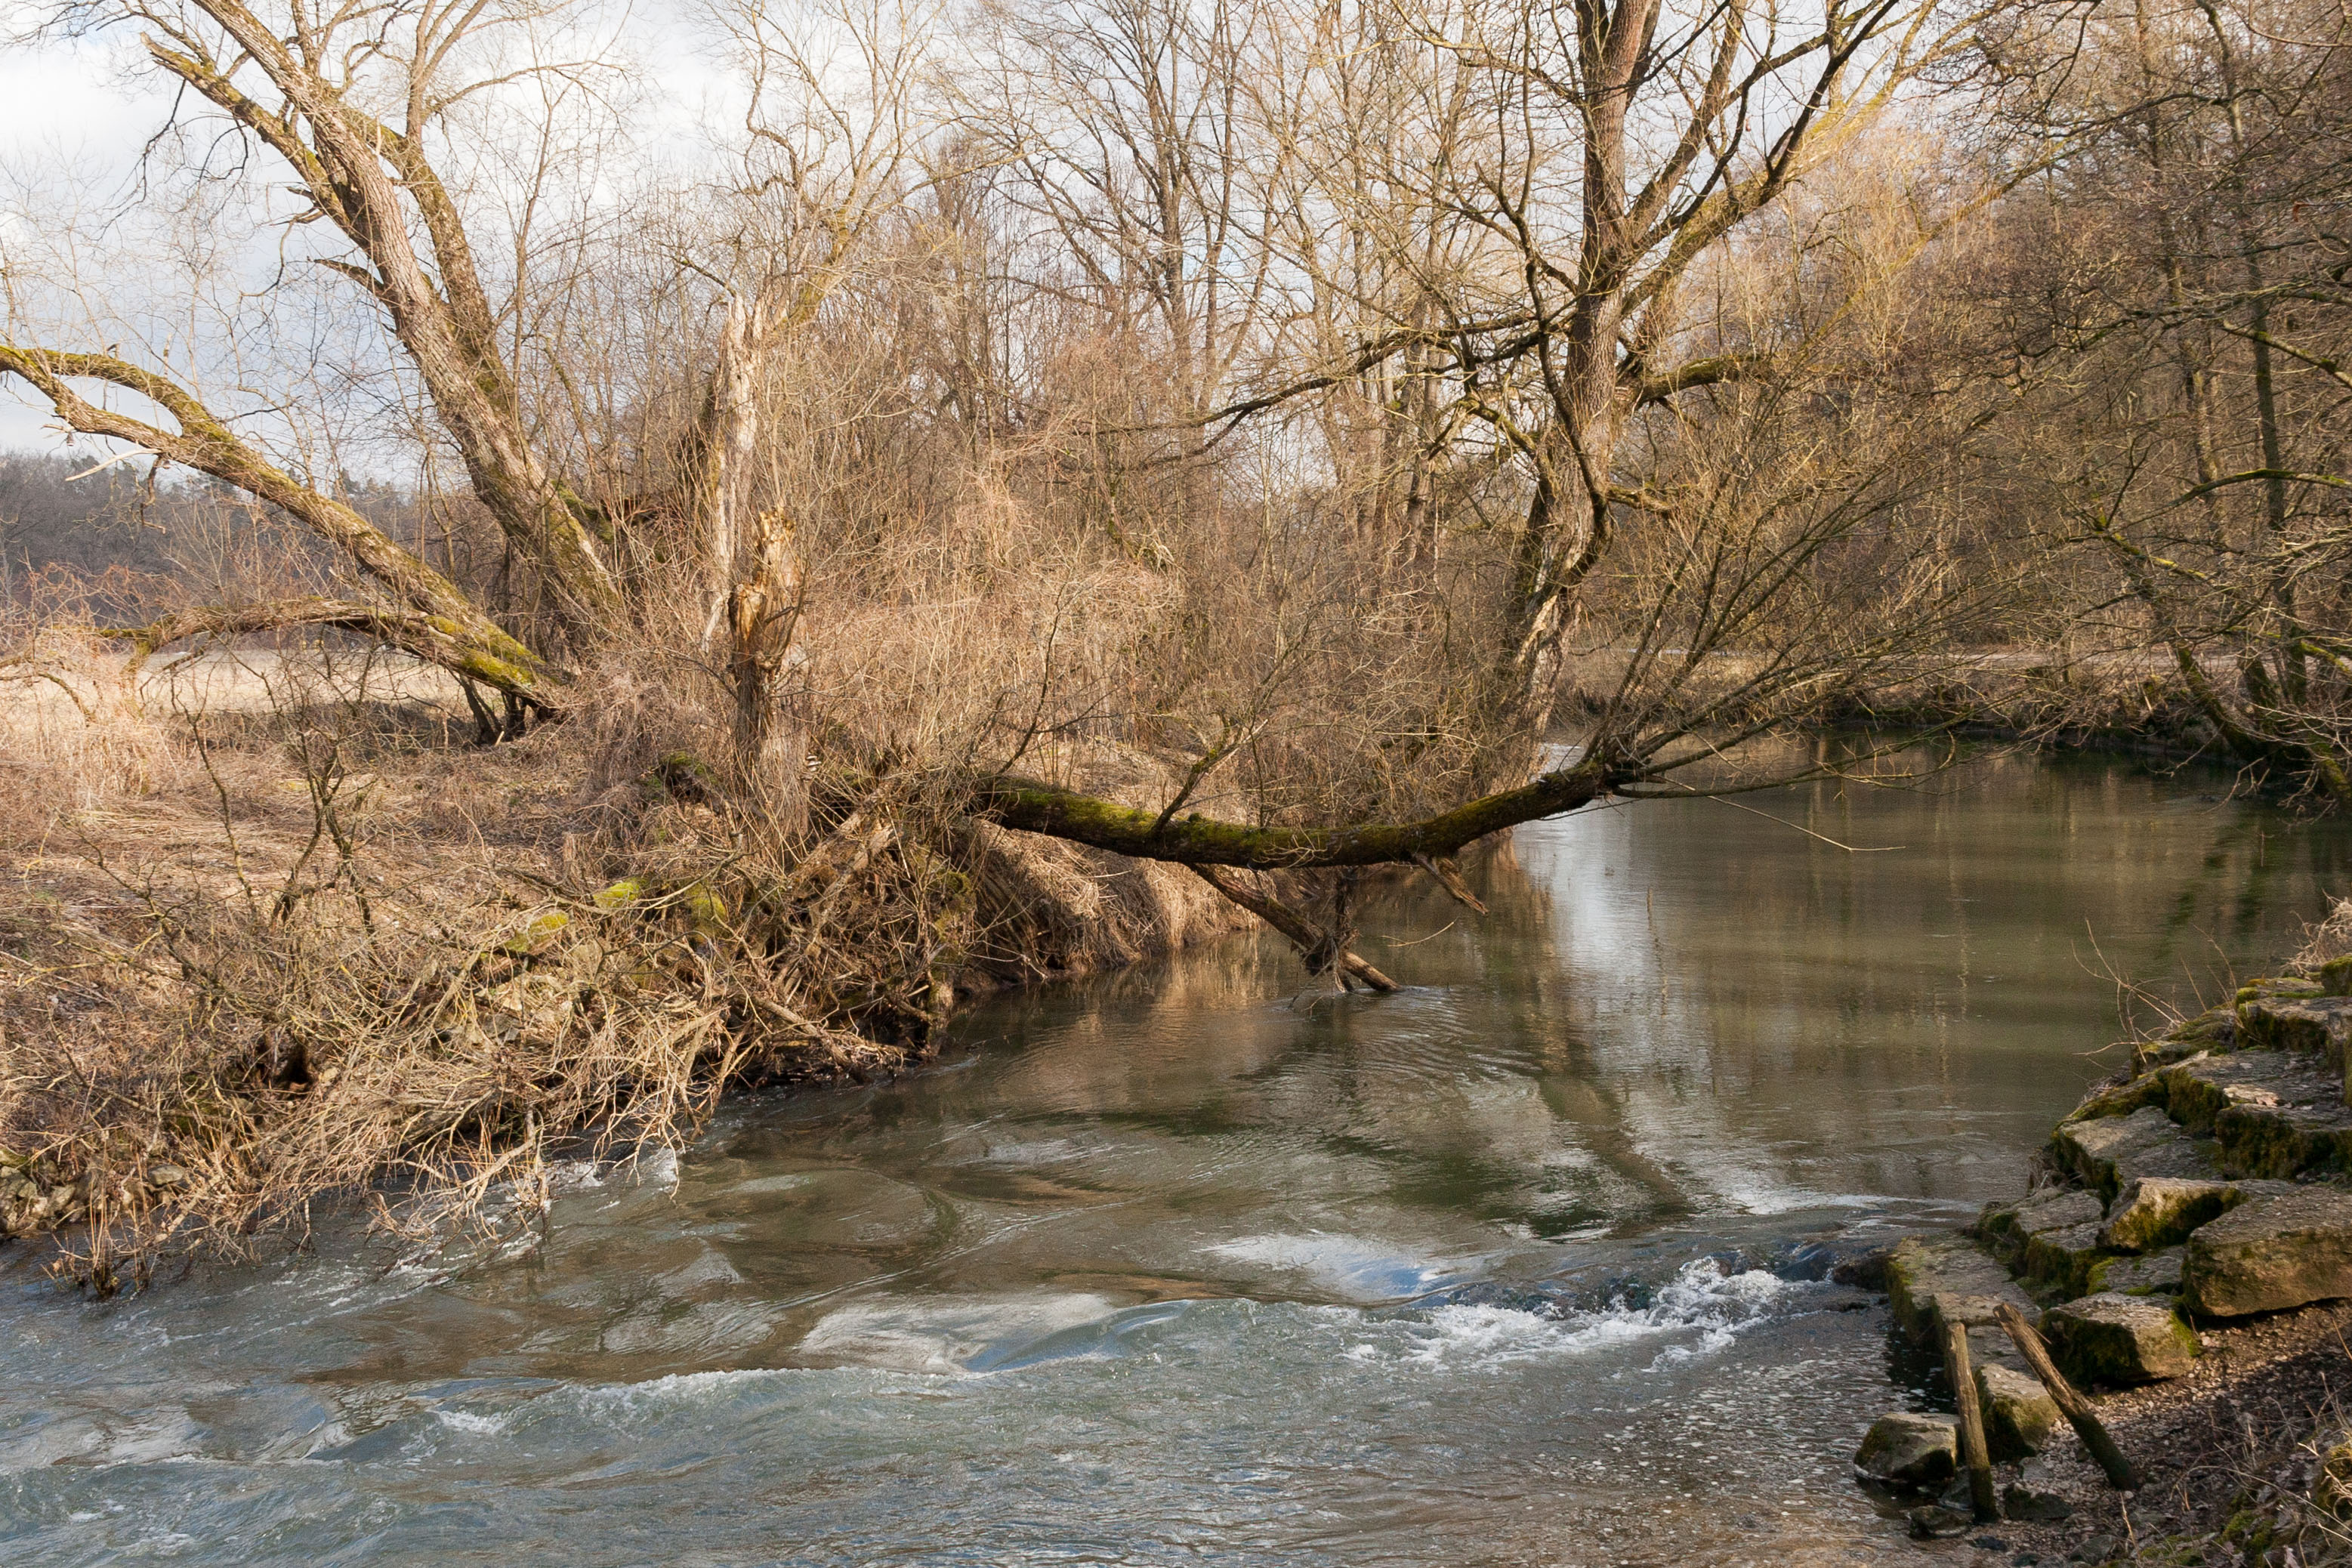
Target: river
1523 1265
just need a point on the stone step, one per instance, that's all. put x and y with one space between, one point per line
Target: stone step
1932 1277
2153 1213
2283 1141
2310 1021
2018 1412
2107 1152
2276 1251
2265 1113
2197 1091
2216 1030
2117 1339
2154 1274
2007 1229
2062 1259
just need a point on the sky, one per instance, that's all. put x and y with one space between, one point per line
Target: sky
60 106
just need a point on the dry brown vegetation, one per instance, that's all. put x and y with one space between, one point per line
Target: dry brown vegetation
268 936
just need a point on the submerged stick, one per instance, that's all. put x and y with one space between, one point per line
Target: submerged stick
1973 1452
1290 923
2077 1409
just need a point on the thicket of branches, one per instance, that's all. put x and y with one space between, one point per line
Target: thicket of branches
1302 397
2181 317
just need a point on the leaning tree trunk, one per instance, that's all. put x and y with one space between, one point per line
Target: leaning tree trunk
421 611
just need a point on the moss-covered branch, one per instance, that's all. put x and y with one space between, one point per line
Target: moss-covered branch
435 639
1057 813
432 616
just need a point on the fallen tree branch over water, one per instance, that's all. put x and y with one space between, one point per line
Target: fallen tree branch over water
1058 813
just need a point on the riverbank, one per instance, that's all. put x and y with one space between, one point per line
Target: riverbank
1173 1263
274 935
2185 1245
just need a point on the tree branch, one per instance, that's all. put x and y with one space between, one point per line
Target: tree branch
450 621
1037 808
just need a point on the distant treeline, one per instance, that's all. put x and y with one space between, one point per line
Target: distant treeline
132 546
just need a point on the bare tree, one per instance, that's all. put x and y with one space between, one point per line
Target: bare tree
2187 351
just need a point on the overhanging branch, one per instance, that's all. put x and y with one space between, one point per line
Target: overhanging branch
1037 808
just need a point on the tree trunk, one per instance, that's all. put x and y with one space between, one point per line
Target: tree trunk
770 724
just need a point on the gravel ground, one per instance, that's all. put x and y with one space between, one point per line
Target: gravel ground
2231 1454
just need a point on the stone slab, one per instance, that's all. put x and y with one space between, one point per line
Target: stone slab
2064 1259
2283 1141
1909 1449
2280 1250
2155 1212
2199 1090
2107 1151
2153 1274
2019 1412
2007 1229
1930 1278
2216 1030
2318 1025
2117 1339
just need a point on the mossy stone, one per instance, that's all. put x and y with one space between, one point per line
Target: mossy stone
2284 1250
2116 1339
1909 1449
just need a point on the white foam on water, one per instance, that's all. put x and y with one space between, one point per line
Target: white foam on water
1702 1310
1762 1196
467 1421
687 1389
942 1336
1353 1264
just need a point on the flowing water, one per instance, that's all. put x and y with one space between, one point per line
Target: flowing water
1526 1264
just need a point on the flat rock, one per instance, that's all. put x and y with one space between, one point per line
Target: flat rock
2107 1152
2019 1412
2116 1339
2151 1274
2064 1258
2284 1249
2283 1141
2155 1212
2007 1231
1909 1449
2216 1030
2197 1091
1932 1277
2321 1025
